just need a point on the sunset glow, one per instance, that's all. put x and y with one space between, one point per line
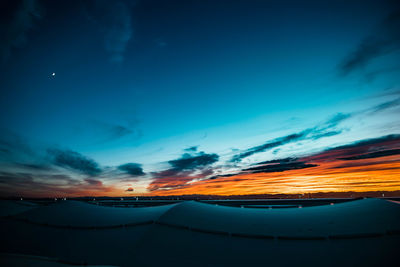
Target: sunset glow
170 98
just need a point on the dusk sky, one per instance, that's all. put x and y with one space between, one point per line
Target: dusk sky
124 98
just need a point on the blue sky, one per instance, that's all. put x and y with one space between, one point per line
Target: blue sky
141 81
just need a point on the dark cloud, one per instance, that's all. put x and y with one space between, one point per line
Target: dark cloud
17 18
191 149
169 173
4 151
187 168
25 182
114 20
94 182
190 162
104 132
335 120
326 134
33 166
276 165
51 185
134 169
377 154
317 132
284 160
385 40
118 131
222 175
130 189
169 179
363 164
10 177
75 161
386 105
280 167
363 149
13 147
26 157
367 143
371 75
269 145
173 178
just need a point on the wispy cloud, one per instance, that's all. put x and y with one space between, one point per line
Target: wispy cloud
12 145
109 132
385 40
52 185
49 168
191 149
371 155
172 178
115 22
372 148
133 169
17 18
281 166
372 75
190 162
183 170
322 130
118 131
363 149
364 165
74 161
367 144
94 182
385 105
270 166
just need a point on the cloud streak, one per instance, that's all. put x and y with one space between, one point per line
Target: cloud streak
190 162
183 170
320 131
75 161
111 131
54 185
377 154
118 131
115 22
365 165
280 166
17 18
385 40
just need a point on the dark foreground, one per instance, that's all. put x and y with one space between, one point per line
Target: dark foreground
330 232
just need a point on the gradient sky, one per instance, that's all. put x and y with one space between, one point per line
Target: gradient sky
199 97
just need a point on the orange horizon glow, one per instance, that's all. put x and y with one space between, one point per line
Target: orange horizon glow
384 176
372 175
330 172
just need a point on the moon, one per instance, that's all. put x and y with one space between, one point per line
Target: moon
53 74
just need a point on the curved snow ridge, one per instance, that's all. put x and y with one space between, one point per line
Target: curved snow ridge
355 219
11 259
79 227
82 215
11 208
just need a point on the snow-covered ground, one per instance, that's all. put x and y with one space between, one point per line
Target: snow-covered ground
356 233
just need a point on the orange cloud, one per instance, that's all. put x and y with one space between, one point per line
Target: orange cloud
371 165
324 178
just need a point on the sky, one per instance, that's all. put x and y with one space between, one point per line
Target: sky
126 98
